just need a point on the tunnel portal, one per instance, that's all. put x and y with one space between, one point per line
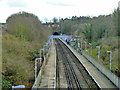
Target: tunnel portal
56 33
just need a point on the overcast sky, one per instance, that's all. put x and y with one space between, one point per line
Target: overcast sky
57 8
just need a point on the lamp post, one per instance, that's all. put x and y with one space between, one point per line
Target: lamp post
91 48
85 45
36 70
87 51
45 47
110 58
105 34
78 44
75 44
49 42
81 44
40 55
98 52
18 87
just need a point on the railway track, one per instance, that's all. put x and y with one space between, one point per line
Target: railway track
75 74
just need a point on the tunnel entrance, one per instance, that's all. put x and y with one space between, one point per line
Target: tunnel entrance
56 33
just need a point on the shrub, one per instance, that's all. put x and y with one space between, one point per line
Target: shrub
94 44
17 67
6 84
104 53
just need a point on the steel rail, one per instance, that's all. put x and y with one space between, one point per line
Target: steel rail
67 74
88 79
67 63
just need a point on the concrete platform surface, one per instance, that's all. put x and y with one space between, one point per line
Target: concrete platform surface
48 79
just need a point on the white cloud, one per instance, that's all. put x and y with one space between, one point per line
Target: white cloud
16 3
57 8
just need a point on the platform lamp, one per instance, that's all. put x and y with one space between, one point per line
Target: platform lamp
45 48
98 52
40 55
110 58
81 44
36 70
90 48
87 51
78 44
85 45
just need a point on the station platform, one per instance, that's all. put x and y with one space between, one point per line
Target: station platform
48 79
102 81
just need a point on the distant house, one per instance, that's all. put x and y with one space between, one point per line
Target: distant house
3 27
2 24
52 25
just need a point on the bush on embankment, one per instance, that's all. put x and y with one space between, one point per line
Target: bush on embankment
20 45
